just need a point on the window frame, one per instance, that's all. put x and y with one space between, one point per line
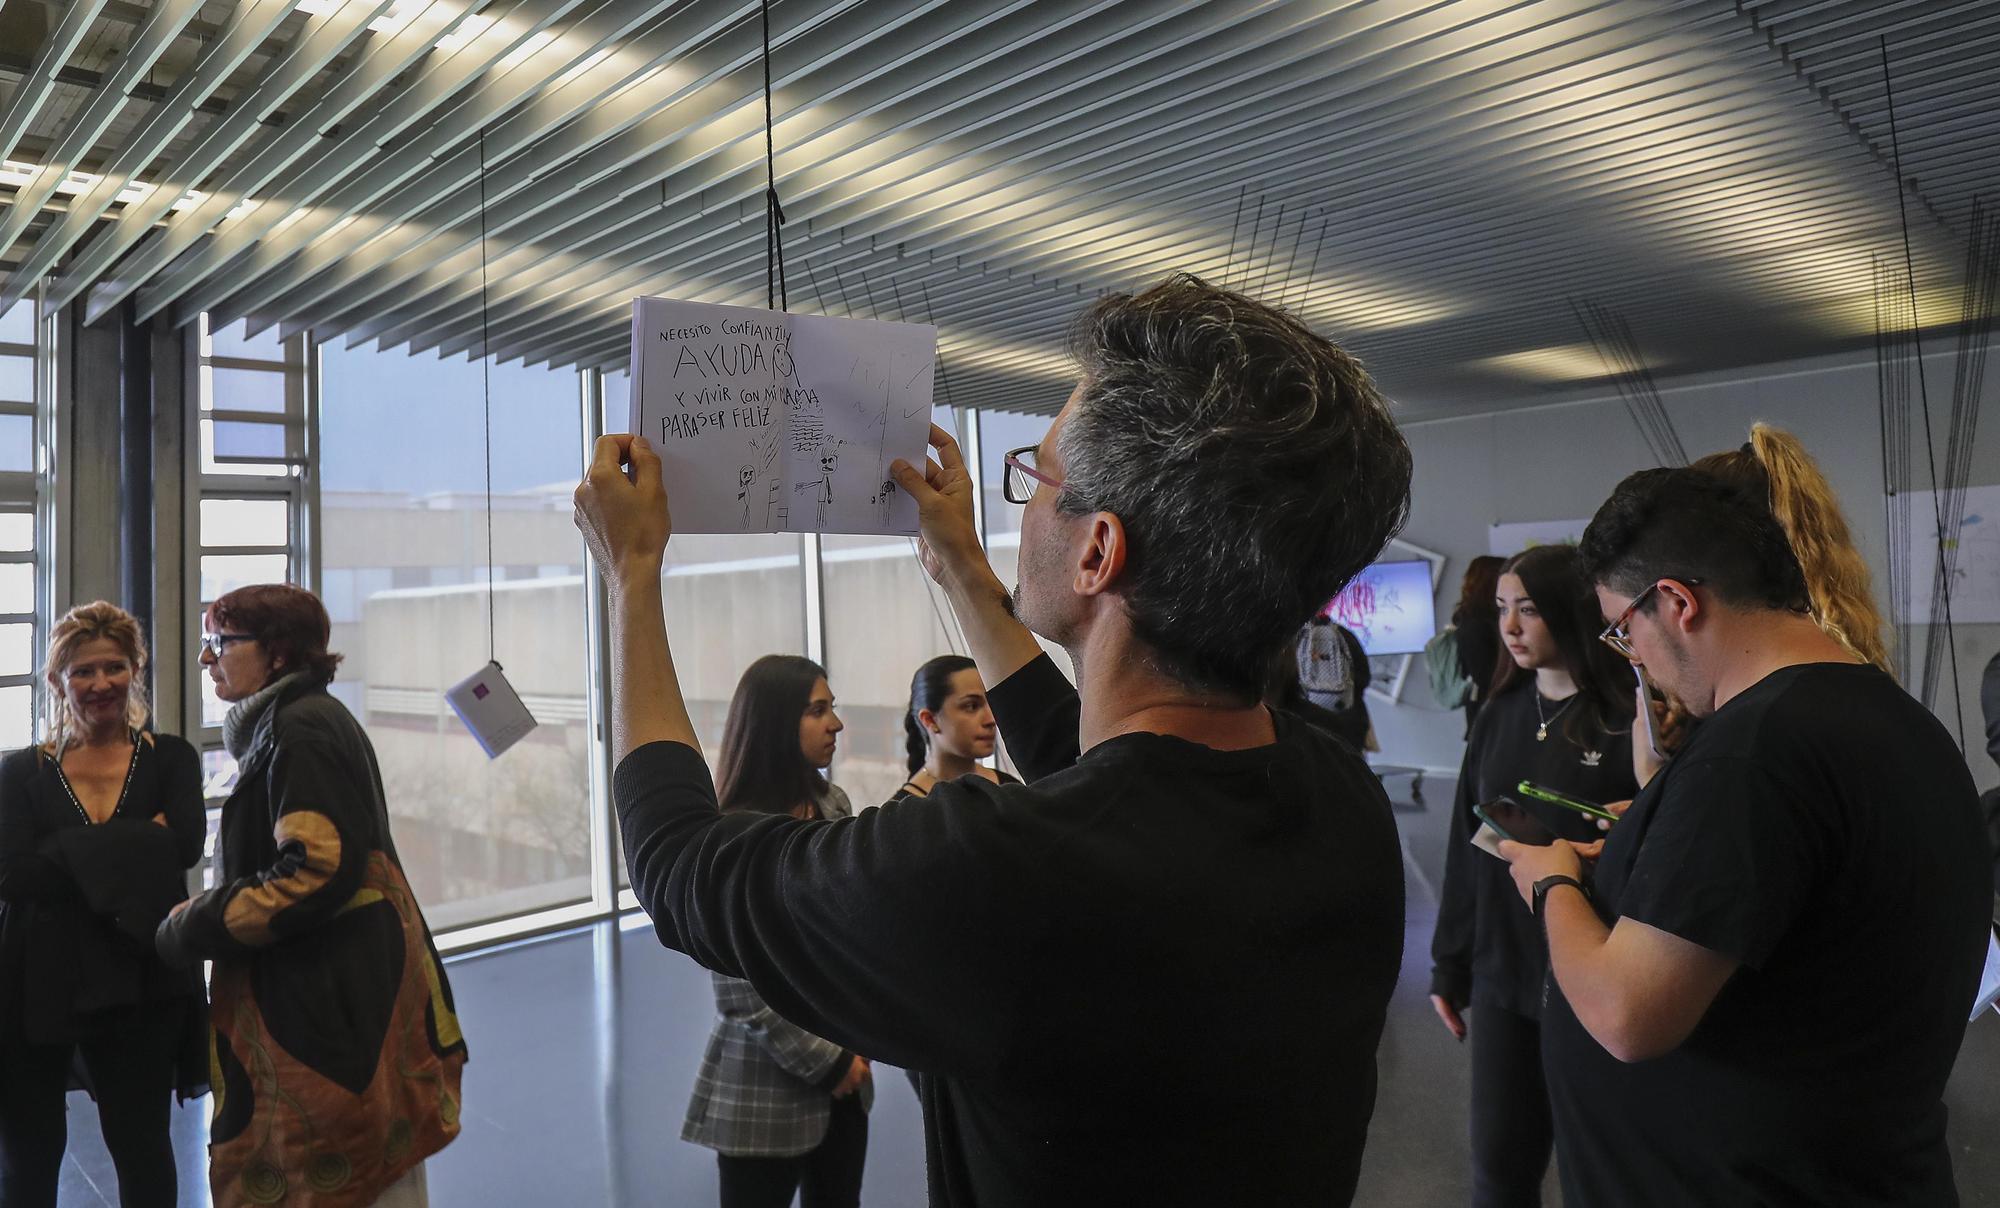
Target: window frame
608 900
29 492
295 482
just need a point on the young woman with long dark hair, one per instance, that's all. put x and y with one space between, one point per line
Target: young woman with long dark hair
949 728
1558 713
785 1111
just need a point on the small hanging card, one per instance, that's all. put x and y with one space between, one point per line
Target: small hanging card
491 709
768 422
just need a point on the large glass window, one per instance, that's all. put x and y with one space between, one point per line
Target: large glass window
404 540
252 401
730 600
18 491
884 618
1001 432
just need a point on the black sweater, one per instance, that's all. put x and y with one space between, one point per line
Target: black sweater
1156 974
74 895
1487 948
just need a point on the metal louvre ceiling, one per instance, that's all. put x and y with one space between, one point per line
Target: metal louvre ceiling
1430 184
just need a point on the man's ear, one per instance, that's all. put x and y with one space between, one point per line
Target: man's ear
1679 608
1101 561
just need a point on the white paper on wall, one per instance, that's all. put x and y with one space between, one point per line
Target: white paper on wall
1975 587
768 422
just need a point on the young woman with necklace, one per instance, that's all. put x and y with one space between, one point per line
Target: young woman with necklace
1558 713
949 728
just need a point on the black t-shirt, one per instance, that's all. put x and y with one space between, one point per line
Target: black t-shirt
1155 974
909 787
1822 829
1486 948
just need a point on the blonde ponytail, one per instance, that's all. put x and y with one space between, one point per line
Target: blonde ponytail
1836 577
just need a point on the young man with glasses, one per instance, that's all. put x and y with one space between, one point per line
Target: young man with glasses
1157 972
1760 996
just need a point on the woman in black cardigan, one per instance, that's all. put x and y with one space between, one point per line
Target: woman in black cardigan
98 827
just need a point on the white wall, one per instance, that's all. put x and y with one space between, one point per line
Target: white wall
1560 459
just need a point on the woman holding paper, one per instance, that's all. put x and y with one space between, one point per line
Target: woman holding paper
785 1111
336 1043
1559 714
98 827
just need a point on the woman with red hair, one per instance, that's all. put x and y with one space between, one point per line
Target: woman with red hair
337 1047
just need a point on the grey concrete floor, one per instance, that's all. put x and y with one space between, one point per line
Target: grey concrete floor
584 1046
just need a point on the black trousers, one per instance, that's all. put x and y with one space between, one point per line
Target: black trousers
828 1176
131 1067
1512 1133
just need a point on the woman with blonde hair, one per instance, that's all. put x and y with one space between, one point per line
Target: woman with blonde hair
1774 465
98 826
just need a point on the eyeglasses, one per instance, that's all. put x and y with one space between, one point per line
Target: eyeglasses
1614 634
1018 486
216 643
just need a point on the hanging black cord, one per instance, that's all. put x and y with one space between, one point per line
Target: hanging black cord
486 392
1940 581
774 214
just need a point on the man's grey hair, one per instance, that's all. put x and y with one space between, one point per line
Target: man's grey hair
1253 464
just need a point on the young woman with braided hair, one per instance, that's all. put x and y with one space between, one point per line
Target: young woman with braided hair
949 727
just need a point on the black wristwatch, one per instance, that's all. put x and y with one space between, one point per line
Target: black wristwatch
1543 886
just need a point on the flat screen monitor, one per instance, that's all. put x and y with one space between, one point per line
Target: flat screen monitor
1389 607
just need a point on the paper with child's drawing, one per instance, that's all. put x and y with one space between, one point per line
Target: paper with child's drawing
768 422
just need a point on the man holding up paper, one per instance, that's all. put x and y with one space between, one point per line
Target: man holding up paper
1157 972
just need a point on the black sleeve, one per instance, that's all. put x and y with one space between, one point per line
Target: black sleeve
903 933
1990 803
25 871
903 792
322 823
1452 938
1038 711
180 797
1729 862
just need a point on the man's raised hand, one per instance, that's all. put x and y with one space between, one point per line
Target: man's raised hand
944 495
624 517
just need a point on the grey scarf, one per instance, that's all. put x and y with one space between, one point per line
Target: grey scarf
241 723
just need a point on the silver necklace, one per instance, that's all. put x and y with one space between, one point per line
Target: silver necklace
130 769
1542 730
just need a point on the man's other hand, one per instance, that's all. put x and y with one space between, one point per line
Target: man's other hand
943 491
624 517
1529 863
